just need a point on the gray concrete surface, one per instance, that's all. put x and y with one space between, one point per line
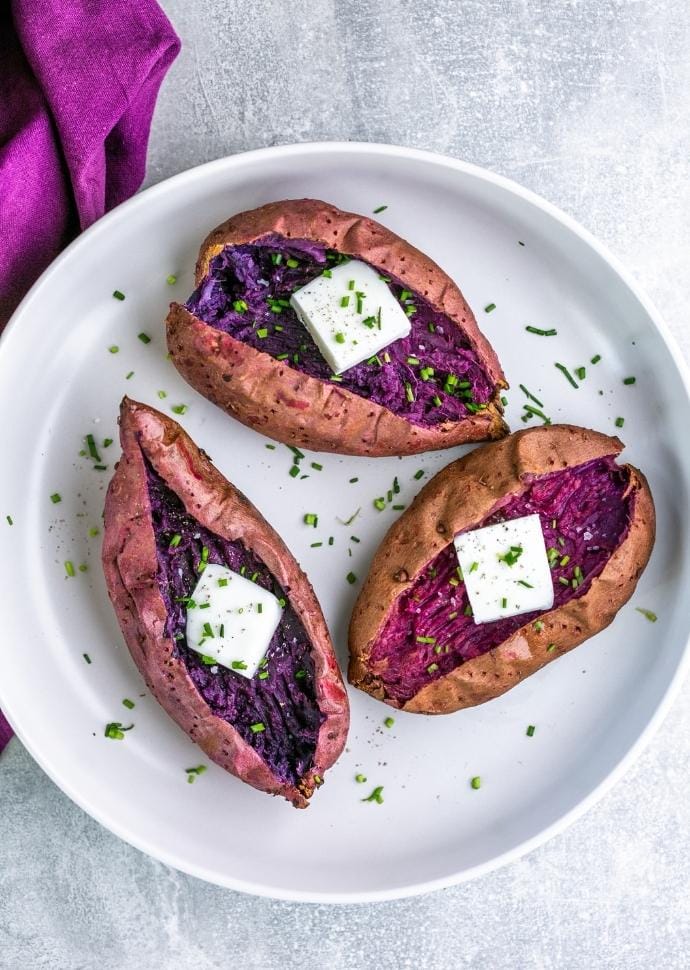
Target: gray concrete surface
587 103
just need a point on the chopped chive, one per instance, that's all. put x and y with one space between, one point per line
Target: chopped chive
327 273
263 675
315 545
208 661
523 582
619 422
10 520
564 561
193 773
467 611
311 519
380 208
551 647
91 445
292 262
537 412
118 294
580 373
380 504
238 665
652 617
351 578
208 631
270 447
294 471
476 782
629 380
262 333
83 568
55 498
504 603
300 674
530 396
376 796
171 279
345 300
389 722
114 731
425 639
127 703
86 657
542 333
223 582
418 474
409 393
489 308
413 361
432 668
114 349
504 401
257 728
94 531
595 359
353 480
360 779
179 408
144 337
315 465
340 338
530 730
566 373
239 306
69 568
538 626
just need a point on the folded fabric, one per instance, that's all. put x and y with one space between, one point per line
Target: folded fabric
78 84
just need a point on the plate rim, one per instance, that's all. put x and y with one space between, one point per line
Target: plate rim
288 150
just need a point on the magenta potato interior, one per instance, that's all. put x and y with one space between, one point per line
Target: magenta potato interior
285 701
258 274
585 514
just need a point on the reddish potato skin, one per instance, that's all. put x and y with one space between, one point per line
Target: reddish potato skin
130 567
461 495
289 406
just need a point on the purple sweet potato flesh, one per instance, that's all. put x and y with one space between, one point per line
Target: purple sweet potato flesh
285 702
592 514
250 273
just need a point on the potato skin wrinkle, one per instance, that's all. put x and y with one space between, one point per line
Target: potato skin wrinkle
290 406
457 498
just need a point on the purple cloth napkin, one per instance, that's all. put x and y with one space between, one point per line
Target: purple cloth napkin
78 85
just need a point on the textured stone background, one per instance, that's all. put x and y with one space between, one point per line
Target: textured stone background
587 103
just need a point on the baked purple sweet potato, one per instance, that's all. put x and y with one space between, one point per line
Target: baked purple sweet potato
167 510
238 341
413 641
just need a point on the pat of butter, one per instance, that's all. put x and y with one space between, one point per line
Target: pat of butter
238 624
350 313
505 569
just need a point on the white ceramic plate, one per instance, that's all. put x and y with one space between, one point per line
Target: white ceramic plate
58 382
